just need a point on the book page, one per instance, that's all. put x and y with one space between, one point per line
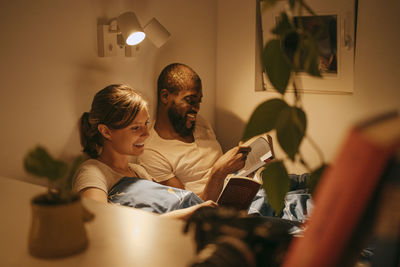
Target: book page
260 154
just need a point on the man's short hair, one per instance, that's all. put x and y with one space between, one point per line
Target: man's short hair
175 77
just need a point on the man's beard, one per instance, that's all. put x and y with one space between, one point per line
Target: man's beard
179 122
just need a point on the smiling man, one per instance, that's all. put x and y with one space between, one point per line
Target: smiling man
182 150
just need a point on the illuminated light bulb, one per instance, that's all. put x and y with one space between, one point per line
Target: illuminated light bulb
135 38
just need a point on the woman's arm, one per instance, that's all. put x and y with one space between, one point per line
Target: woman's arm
94 193
184 214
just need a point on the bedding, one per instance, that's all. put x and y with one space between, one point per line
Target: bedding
147 195
150 196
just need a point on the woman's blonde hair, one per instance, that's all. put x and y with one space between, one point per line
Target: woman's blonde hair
115 106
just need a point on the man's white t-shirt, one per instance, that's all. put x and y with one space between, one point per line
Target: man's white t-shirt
94 173
191 163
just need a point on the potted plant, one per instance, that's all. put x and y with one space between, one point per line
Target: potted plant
292 50
57 226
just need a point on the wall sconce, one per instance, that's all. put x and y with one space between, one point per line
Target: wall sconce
125 33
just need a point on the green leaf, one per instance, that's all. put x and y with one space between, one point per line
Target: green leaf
292 4
269 3
276 65
57 170
65 186
39 163
307 57
290 129
283 26
276 184
74 166
263 118
311 57
291 44
315 177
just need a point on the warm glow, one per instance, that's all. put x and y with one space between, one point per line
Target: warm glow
135 38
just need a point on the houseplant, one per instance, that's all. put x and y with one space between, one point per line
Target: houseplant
292 50
57 226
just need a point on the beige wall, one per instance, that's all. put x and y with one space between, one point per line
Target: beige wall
377 70
49 68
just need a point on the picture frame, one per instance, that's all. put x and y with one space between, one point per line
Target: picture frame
336 24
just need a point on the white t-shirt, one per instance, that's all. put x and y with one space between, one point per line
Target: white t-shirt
94 173
191 163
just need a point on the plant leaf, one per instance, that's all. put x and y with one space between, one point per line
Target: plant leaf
263 118
291 44
315 177
39 163
292 4
269 3
276 65
72 169
290 129
276 184
57 170
311 64
283 26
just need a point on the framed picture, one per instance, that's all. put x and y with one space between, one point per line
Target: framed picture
334 30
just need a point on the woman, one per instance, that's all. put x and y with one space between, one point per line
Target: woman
111 133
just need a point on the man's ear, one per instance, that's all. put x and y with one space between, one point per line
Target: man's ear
104 131
164 96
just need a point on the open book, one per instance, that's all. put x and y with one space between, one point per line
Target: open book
241 187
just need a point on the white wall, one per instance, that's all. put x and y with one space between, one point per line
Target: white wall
377 69
50 71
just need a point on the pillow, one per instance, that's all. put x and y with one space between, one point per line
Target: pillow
148 195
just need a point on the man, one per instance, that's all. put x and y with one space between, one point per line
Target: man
182 150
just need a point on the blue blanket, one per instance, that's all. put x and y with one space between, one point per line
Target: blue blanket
148 195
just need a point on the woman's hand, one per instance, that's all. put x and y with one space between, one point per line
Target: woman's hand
208 203
184 214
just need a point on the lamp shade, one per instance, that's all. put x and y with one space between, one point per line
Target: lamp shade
131 31
156 32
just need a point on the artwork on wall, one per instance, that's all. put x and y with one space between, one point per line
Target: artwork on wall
334 29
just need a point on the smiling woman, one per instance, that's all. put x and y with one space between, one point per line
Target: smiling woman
114 130
128 140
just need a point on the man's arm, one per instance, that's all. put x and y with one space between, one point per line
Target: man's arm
230 162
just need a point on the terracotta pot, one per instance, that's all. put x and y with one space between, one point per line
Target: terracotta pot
57 230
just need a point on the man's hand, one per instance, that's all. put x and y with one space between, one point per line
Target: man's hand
229 162
232 161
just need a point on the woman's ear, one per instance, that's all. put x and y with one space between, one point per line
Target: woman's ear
104 131
164 96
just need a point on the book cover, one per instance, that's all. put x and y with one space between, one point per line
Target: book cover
239 192
344 192
241 187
